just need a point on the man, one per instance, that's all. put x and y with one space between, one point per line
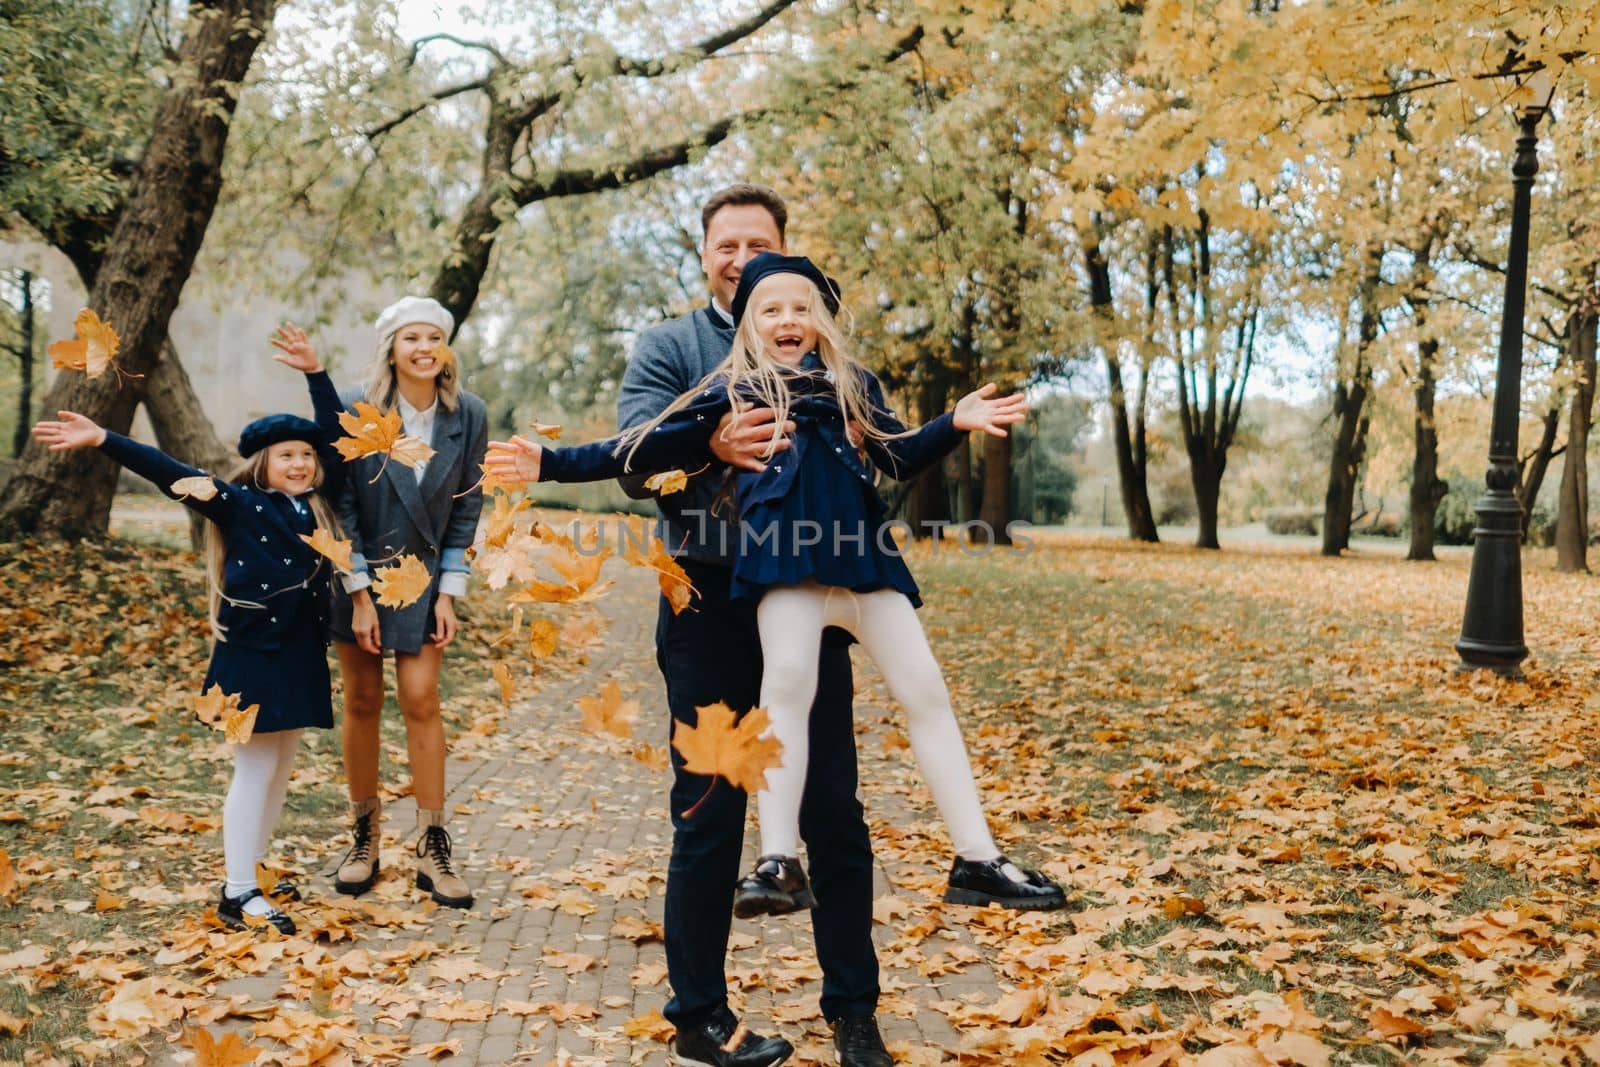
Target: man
712 652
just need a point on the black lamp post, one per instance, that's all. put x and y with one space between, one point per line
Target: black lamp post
1491 632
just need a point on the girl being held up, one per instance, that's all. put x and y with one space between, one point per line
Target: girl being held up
815 551
268 601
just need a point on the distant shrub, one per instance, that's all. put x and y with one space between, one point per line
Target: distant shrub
1457 515
1296 520
1383 524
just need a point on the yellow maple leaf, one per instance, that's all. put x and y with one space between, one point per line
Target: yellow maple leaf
502 520
651 1025
198 486
373 432
221 711
667 482
403 584
609 713
550 430
330 546
673 579
92 351
724 745
231 1051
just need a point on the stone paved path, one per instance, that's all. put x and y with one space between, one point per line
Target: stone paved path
565 837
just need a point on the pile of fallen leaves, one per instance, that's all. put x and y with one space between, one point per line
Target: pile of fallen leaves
1291 832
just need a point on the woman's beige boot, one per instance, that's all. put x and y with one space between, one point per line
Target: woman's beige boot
435 874
359 869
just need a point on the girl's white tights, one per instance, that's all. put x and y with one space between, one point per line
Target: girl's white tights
791 619
261 769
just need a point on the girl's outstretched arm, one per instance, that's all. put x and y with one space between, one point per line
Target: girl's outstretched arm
69 430
681 440
296 352
904 457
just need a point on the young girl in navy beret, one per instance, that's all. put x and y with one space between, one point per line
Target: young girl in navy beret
268 600
815 551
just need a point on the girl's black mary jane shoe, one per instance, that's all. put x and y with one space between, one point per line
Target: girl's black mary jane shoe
231 911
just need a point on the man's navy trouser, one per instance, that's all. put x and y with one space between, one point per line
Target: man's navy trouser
710 652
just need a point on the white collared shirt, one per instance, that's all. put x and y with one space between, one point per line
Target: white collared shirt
419 424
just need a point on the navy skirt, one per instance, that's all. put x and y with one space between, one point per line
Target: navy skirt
290 684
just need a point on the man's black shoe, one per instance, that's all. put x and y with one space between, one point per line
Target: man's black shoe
999 881
777 886
722 1041
859 1043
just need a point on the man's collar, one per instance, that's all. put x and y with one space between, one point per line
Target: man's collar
719 315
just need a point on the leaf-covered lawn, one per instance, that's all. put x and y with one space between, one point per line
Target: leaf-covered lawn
1292 833
1294 830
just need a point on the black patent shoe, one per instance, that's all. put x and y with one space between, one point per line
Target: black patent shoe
722 1042
990 882
231 911
777 886
859 1044
286 890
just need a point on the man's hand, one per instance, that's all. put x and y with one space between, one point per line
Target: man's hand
744 438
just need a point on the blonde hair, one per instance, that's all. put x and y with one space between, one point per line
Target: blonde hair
754 374
383 384
252 470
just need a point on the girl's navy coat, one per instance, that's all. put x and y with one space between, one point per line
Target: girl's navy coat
813 511
436 520
274 611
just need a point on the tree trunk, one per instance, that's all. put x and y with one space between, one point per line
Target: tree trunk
150 255
927 506
1426 488
1350 409
1205 474
1128 442
182 429
1572 516
25 346
996 510
1537 465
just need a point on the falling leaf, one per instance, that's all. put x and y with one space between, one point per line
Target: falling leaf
322 541
92 351
199 486
608 712
401 585
502 677
544 637
674 580
221 711
379 433
230 1051
546 430
724 745
667 482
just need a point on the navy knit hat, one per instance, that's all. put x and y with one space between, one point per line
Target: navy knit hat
273 429
769 263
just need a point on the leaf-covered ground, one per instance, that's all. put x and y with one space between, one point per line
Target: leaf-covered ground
1292 833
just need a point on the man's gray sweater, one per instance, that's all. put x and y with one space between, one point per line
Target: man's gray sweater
668 361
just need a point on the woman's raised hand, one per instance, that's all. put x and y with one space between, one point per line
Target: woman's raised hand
72 431
982 410
516 460
294 349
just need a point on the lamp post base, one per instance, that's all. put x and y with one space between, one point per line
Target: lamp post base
1491 632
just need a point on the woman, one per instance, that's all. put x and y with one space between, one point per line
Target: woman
431 512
